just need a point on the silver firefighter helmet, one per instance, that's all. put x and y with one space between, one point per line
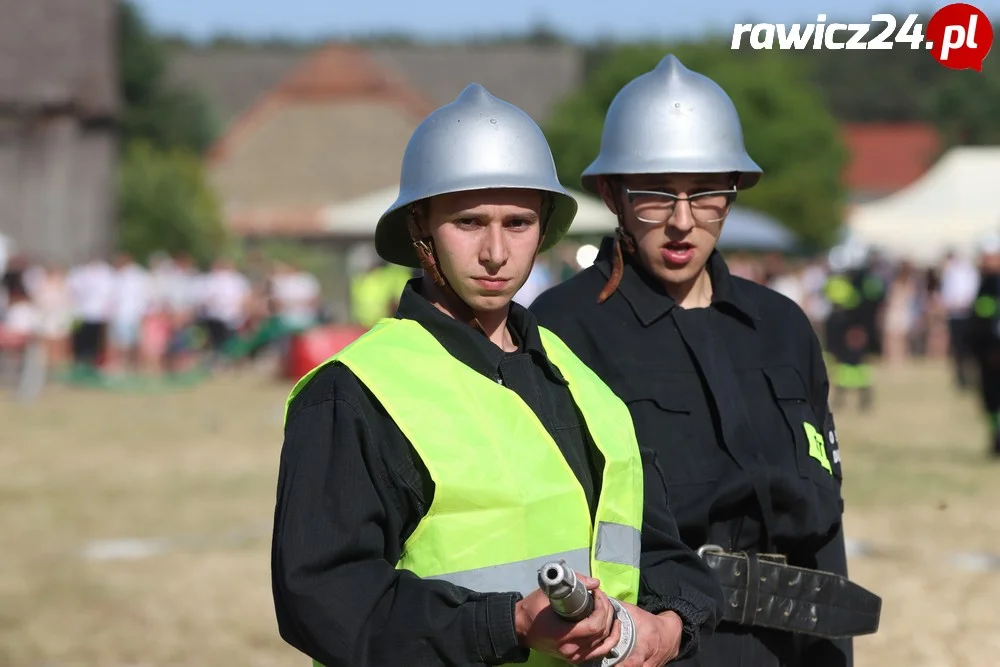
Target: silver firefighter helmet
672 120
476 142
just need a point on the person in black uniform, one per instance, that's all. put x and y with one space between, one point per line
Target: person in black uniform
725 378
383 457
983 332
855 293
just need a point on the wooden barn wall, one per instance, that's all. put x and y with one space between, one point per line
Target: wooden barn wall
57 187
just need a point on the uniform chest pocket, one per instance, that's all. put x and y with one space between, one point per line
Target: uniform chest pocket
811 451
666 417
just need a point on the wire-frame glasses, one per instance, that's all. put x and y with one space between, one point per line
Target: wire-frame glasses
656 208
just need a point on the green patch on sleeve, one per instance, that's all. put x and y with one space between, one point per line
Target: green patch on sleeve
817 447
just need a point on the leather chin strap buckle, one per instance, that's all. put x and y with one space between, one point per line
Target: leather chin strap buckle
428 263
425 252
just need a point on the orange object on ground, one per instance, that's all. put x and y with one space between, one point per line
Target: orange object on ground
310 348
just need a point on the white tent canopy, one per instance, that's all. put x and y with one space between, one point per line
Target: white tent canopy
357 217
744 229
950 208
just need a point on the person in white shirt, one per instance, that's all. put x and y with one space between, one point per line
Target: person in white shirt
181 292
55 309
785 278
184 299
20 327
132 294
21 319
92 288
539 280
959 284
157 326
161 269
790 285
225 299
296 296
816 306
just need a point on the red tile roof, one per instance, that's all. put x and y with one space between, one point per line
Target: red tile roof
298 146
341 71
336 73
885 157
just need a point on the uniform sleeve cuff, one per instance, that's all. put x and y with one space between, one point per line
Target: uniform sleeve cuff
693 608
498 643
691 628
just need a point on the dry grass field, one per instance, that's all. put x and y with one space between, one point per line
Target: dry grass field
196 469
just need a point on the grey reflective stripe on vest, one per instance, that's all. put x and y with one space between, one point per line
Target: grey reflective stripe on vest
616 543
521 576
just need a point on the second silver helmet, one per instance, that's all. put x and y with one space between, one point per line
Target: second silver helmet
672 120
476 142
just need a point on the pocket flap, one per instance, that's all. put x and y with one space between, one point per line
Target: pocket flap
670 395
786 383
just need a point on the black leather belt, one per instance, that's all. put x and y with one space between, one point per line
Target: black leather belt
763 590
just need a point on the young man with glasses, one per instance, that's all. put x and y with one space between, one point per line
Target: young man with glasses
724 378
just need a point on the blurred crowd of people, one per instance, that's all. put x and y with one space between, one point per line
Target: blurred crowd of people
920 310
166 316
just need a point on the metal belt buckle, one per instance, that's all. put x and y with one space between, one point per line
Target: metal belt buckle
710 548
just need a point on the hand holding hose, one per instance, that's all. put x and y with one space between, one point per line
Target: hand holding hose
574 600
539 627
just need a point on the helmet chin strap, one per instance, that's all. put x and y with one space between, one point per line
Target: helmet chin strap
423 244
623 238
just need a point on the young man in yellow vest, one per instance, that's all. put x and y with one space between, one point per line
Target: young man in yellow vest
433 466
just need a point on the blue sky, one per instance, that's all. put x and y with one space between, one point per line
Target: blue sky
582 19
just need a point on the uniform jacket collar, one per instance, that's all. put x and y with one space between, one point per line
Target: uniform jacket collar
650 302
468 345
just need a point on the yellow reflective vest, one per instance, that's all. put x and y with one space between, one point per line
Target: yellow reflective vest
505 500
373 292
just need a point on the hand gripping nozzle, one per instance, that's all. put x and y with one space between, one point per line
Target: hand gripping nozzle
572 601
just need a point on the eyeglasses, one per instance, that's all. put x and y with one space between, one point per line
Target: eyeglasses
656 208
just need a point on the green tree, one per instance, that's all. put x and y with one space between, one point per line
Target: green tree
903 84
166 204
788 130
966 105
154 110
164 200
873 85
